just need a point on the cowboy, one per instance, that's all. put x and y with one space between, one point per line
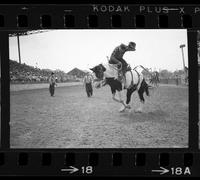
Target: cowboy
117 58
52 83
87 82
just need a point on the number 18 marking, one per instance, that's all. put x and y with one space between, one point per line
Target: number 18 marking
87 169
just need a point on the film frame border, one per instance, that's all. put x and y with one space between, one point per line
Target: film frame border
113 157
173 16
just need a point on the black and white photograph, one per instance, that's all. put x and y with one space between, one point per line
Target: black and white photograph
99 88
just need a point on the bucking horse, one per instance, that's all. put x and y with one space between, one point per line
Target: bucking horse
133 81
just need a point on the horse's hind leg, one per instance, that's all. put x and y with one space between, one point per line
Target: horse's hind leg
141 96
140 93
128 96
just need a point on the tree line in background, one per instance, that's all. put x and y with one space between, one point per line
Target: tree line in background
165 74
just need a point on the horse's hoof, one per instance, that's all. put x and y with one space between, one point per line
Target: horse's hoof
128 107
122 109
138 111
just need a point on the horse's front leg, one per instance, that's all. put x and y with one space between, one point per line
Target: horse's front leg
126 105
120 101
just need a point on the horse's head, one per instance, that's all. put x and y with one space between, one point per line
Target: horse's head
99 70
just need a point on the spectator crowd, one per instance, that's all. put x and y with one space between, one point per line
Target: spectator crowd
22 73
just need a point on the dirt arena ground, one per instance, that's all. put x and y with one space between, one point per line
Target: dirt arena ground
72 120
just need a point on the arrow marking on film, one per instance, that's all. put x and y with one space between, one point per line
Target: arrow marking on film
71 170
170 9
162 170
68 10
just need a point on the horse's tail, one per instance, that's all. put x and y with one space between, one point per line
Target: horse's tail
146 87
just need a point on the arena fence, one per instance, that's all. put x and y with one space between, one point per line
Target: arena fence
178 81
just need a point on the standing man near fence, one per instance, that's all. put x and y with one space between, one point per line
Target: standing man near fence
87 82
52 83
177 79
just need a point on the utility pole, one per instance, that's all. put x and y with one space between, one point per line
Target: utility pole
182 46
19 48
24 33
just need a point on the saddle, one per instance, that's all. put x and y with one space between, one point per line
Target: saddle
121 75
113 66
132 86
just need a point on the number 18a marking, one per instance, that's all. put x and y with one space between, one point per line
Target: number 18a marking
180 171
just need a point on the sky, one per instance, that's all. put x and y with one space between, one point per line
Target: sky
83 49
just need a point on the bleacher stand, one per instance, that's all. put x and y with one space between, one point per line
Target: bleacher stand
22 73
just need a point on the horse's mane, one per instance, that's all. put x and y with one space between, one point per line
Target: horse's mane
111 70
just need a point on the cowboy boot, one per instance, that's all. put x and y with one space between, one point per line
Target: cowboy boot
120 76
122 79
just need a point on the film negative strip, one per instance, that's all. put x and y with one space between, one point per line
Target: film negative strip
100 90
